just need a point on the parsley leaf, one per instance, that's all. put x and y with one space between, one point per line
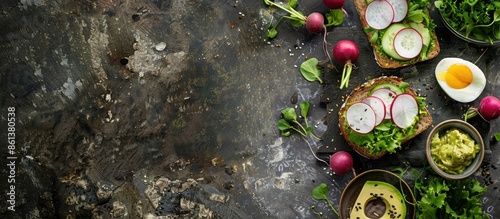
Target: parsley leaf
441 198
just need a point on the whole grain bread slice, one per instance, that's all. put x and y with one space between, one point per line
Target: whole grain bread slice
385 61
361 92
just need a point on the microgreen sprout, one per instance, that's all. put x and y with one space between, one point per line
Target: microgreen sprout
297 18
497 136
320 192
290 121
400 176
318 213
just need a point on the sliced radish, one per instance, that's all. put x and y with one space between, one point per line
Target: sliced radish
379 14
408 43
361 117
404 109
400 8
378 107
387 96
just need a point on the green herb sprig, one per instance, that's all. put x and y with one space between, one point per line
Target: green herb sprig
297 18
290 121
441 198
320 192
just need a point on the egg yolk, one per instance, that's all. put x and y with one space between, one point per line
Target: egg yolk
458 76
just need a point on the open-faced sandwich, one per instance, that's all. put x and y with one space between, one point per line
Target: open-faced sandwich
401 32
381 114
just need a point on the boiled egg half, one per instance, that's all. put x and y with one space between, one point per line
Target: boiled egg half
460 79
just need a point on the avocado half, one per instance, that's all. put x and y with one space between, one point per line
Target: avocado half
379 199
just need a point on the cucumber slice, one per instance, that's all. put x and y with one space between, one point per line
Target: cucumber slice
424 32
389 86
379 14
388 40
408 43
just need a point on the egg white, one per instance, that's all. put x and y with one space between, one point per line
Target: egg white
463 95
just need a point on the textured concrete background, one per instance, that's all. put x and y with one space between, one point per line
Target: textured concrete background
136 108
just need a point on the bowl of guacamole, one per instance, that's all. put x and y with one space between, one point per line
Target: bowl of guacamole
455 149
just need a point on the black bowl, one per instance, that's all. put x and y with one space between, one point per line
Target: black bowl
469 39
353 188
473 133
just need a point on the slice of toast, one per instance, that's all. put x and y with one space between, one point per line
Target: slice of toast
361 92
385 61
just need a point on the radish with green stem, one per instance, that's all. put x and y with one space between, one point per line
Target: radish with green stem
314 22
346 52
489 109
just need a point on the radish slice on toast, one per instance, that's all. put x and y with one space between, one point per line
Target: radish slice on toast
408 43
378 107
379 14
400 9
360 117
404 109
387 96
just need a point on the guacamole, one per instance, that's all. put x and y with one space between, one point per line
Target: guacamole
454 151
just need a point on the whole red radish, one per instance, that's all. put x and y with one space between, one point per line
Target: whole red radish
315 22
334 4
346 52
489 109
341 162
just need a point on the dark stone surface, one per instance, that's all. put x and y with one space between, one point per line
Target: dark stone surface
110 125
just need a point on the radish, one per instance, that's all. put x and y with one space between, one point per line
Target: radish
387 96
400 8
334 4
315 22
379 14
408 43
346 52
404 109
361 117
341 162
378 107
489 109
